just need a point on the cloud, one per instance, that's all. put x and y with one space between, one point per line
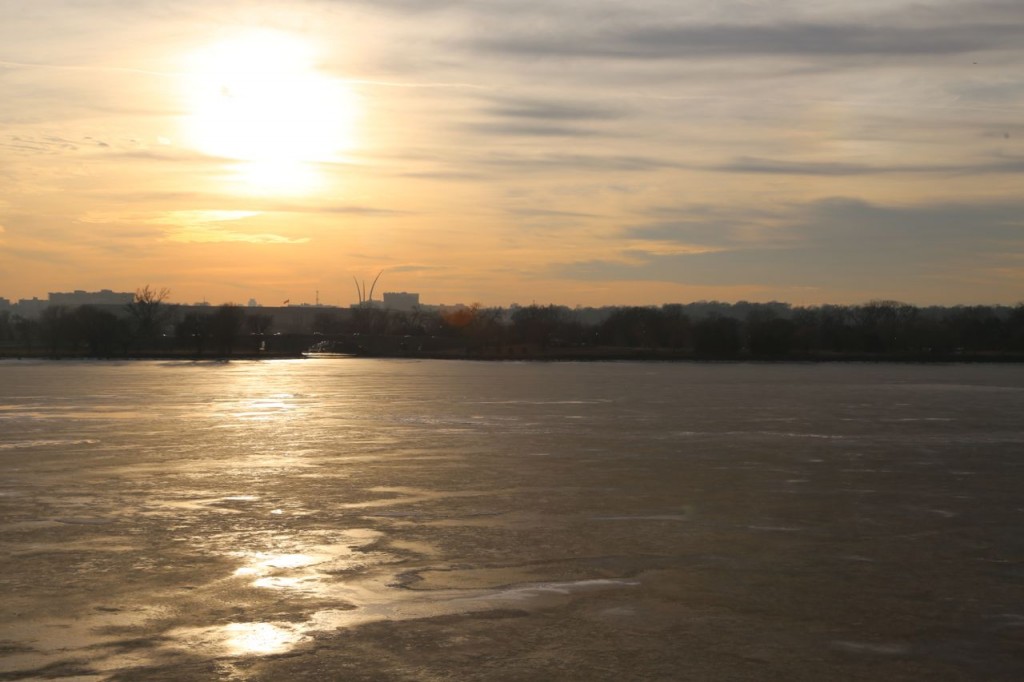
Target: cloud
205 234
165 154
413 267
39 144
549 110
180 217
343 209
209 205
842 222
90 147
190 226
711 234
199 216
839 169
549 213
951 227
576 162
527 130
814 39
832 243
207 227
659 34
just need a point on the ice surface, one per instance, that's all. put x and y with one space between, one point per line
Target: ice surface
379 520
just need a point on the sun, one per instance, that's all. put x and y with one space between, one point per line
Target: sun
258 99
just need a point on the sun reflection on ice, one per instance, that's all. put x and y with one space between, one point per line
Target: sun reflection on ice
261 638
262 409
312 570
265 564
291 561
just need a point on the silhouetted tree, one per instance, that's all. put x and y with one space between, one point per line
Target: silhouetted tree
806 330
768 334
193 331
26 331
634 327
149 314
6 328
1015 328
836 329
225 325
976 328
328 322
879 325
486 328
717 336
678 329
259 323
56 327
408 323
103 332
538 324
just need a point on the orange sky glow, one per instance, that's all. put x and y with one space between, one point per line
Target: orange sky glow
514 152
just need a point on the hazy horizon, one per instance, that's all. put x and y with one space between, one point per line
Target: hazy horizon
172 300
506 152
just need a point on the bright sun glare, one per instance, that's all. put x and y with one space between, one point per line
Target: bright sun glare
259 99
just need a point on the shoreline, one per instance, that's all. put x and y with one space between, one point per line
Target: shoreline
545 355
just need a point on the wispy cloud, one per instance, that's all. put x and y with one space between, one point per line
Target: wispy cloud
839 169
527 130
414 267
209 226
653 33
88 68
927 251
533 109
199 234
195 226
576 162
549 213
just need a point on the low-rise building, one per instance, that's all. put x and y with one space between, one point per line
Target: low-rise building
30 307
101 297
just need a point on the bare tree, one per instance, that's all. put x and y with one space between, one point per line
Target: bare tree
149 313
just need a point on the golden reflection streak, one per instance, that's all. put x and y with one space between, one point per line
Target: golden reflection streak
261 638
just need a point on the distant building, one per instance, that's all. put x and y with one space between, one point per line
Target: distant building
101 297
452 308
5 304
30 307
401 300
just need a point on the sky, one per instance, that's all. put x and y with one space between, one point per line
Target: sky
514 151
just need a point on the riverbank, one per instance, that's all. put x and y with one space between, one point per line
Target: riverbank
531 354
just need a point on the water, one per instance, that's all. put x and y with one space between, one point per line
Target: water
372 519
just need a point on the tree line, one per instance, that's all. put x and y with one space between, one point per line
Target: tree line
146 325
705 329
702 329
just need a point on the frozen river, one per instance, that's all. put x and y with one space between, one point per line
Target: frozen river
396 520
